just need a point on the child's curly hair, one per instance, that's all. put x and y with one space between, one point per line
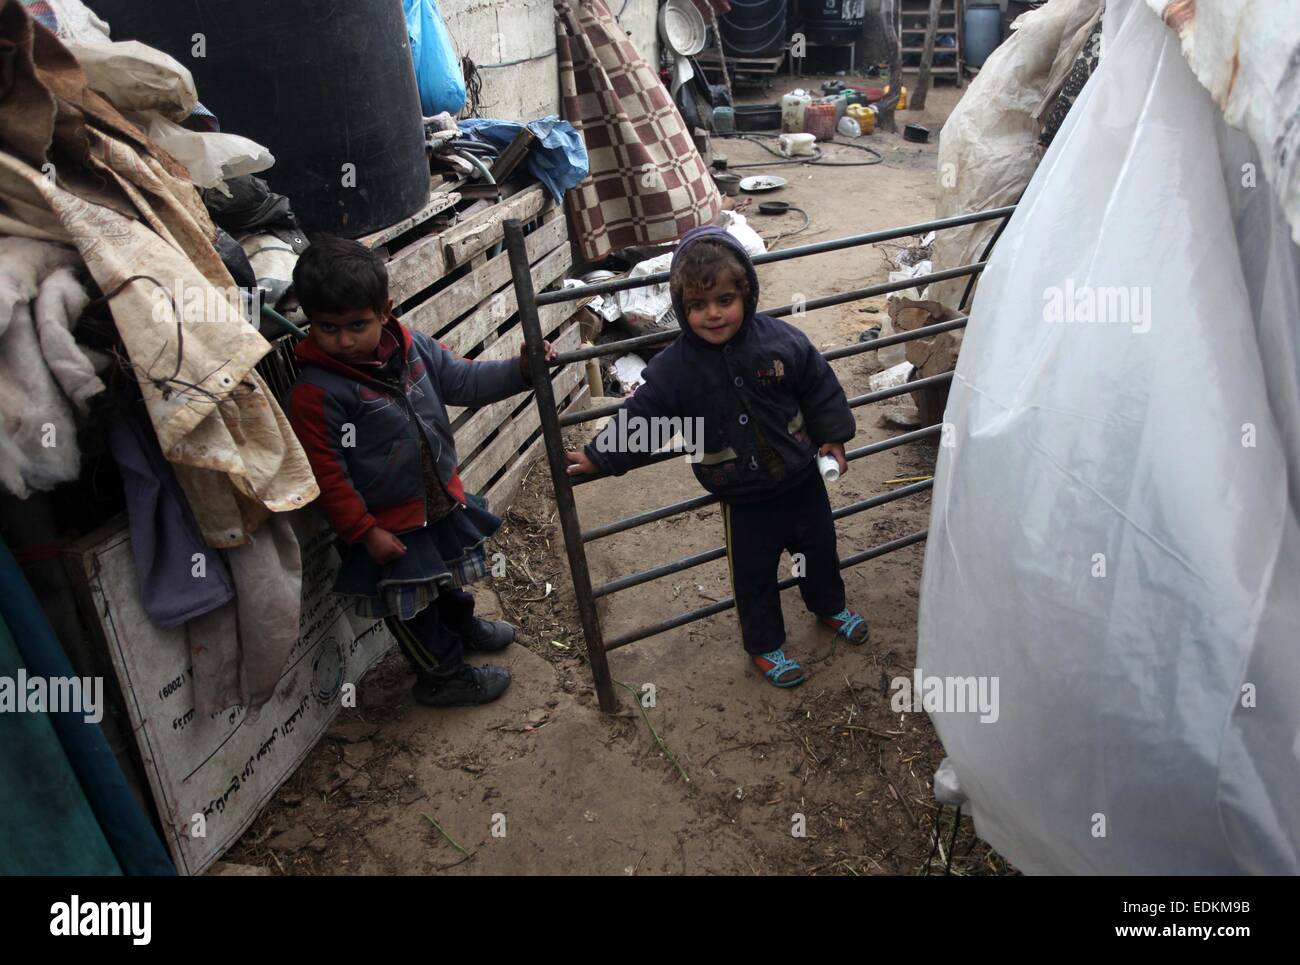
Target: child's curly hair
703 264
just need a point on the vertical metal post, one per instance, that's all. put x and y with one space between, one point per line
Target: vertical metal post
568 509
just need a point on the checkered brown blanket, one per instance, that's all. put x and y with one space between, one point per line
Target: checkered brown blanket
647 183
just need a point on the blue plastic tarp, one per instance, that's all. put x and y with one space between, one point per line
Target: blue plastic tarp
48 826
133 839
558 158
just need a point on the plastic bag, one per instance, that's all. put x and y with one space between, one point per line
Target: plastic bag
211 157
737 225
1115 531
643 306
437 68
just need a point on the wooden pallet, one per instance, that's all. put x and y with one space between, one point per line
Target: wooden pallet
442 196
744 70
456 286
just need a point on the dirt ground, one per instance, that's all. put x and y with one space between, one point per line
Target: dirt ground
721 774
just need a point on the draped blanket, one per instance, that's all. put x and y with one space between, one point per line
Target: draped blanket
647 183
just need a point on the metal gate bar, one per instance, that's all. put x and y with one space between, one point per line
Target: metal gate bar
785 254
632 636
553 424
666 454
878 500
696 502
718 552
655 338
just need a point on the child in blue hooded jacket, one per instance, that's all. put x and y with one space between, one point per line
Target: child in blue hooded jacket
770 404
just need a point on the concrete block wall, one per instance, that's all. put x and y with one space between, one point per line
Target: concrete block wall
513 45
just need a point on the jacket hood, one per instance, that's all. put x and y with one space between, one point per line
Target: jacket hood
308 352
716 234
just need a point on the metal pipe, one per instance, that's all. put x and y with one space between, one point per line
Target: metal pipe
925 331
655 338
600 411
718 552
640 519
667 569
816 248
885 288
871 554
554 441
658 457
614 348
904 439
849 456
882 394
632 636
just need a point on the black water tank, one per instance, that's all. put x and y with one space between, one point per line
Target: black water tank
833 21
754 28
322 83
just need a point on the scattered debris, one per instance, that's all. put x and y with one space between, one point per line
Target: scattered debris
356 755
352 731
890 377
295 839
229 869
627 371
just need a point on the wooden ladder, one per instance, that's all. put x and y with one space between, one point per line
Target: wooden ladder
912 17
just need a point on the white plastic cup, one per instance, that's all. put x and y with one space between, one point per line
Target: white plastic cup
829 467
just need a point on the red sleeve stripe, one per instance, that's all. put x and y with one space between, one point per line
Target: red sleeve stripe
342 504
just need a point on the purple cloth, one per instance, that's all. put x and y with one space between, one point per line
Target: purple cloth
180 576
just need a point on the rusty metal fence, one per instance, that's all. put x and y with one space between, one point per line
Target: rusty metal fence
553 422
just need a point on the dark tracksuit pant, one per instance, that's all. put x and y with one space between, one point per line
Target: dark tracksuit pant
431 640
798 520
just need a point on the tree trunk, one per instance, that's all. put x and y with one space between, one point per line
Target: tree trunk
885 107
927 57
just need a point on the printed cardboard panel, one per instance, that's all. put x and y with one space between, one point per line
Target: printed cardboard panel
226 766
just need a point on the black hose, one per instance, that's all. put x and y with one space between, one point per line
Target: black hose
782 207
817 158
970 282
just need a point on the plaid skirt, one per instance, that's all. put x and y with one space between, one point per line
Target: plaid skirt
449 553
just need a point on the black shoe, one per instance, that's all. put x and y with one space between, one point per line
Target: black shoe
488 636
469 686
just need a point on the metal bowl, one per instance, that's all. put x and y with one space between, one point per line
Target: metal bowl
762 182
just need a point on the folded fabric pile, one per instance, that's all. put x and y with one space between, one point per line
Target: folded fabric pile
83 188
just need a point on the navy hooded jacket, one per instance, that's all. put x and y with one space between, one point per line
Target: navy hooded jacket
767 397
372 475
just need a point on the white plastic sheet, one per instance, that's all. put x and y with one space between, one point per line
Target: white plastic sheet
989 149
1115 529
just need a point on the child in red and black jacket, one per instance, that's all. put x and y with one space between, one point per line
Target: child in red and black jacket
369 407
769 404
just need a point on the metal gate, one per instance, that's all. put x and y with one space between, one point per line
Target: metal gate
576 538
